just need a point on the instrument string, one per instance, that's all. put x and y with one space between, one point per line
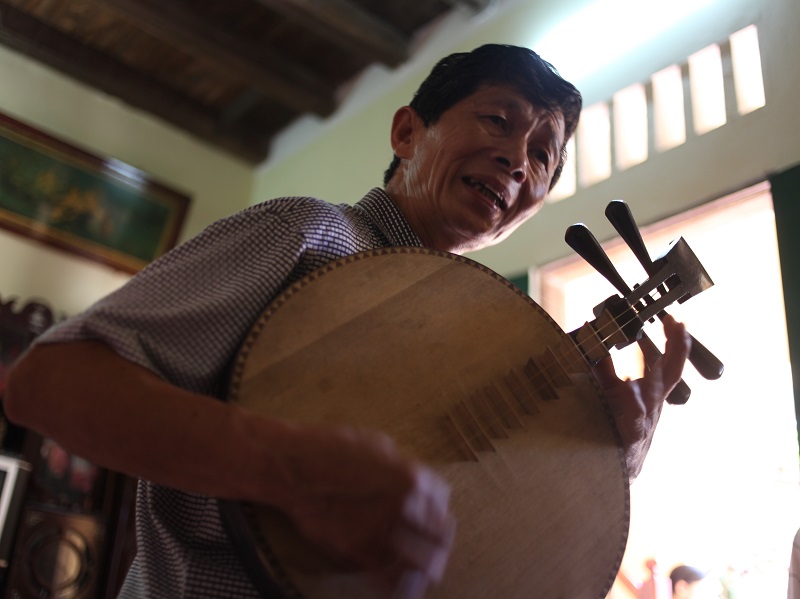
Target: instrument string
505 413
476 418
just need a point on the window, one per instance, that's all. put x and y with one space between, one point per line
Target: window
593 141
669 115
747 77
630 126
614 136
568 182
708 90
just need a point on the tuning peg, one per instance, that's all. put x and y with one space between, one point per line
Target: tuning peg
585 244
581 239
620 216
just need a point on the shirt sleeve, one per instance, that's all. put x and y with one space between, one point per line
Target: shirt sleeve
186 314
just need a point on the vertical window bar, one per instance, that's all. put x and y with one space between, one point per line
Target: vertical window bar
612 139
729 88
650 106
688 106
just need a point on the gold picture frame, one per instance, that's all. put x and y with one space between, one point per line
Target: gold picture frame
68 198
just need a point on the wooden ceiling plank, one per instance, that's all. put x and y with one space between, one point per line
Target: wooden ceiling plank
346 25
238 107
173 23
43 43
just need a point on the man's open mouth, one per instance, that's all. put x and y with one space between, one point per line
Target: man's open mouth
487 192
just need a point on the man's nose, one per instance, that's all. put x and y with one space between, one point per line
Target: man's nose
514 157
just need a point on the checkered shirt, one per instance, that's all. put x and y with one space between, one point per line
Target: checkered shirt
184 317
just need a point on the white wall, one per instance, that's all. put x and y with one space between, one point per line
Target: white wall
101 125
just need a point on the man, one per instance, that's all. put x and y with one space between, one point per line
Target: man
135 383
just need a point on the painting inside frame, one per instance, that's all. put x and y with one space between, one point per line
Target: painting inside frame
97 208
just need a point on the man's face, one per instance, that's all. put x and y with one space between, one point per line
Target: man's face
481 171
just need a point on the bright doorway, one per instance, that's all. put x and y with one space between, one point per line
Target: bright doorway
721 487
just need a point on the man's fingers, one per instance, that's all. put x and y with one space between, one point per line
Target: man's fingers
425 539
411 584
637 404
426 509
423 553
676 351
605 374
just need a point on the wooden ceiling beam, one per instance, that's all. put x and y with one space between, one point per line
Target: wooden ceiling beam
279 80
347 25
43 43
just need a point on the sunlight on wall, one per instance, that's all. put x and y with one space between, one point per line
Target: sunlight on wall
606 27
721 485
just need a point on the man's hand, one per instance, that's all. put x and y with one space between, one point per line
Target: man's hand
354 495
636 404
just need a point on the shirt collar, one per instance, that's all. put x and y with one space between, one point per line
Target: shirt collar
384 214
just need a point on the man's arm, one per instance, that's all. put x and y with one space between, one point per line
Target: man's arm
349 491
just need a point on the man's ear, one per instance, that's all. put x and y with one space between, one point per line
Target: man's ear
405 123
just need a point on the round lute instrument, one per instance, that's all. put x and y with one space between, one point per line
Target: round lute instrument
469 375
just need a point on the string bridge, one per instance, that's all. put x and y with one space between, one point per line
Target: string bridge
616 324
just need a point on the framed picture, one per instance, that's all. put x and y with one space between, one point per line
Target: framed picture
98 208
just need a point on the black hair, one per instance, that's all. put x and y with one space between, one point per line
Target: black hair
687 573
459 75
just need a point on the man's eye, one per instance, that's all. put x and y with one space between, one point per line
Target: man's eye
541 156
496 119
